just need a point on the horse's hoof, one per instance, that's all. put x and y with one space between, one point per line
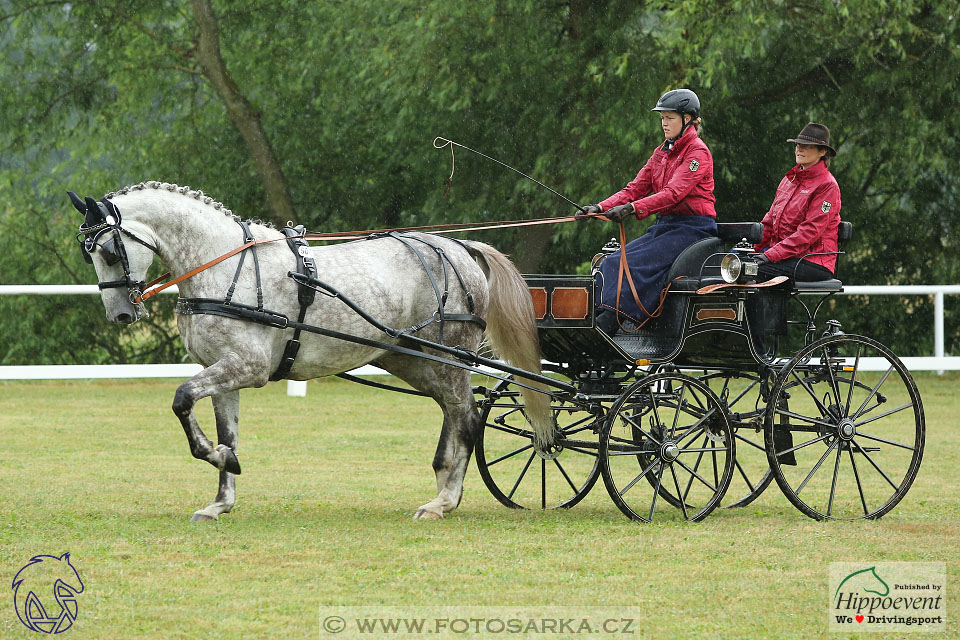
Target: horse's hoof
202 517
424 514
230 462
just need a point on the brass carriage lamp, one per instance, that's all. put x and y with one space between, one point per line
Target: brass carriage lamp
736 267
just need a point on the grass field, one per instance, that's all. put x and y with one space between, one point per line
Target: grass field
102 470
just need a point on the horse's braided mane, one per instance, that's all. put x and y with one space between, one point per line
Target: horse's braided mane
187 192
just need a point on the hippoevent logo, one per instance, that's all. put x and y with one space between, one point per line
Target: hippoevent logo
888 596
45 593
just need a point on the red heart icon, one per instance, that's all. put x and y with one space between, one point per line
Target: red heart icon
859 618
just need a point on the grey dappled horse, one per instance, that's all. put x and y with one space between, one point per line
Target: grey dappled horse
187 229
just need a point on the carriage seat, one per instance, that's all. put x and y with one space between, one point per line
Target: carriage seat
844 233
687 273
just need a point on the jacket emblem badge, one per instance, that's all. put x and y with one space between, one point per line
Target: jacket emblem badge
694 165
825 207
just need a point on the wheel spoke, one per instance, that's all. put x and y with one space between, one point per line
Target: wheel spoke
853 379
802 445
873 391
885 414
676 483
565 476
653 407
744 475
629 420
696 466
885 441
879 470
797 416
806 385
656 492
543 483
522 473
696 475
743 393
749 442
511 430
713 457
509 455
676 415
856 474
833 485
579 450
697 423
833 379
816 467
635 480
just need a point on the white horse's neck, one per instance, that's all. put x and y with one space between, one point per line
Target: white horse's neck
187 228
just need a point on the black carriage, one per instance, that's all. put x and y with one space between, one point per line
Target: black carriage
701 401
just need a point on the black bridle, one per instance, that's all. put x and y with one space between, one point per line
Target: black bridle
112 248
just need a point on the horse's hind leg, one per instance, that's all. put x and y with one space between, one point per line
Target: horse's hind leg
226 408
450 388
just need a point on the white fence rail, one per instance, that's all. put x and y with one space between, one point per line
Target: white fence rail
938 362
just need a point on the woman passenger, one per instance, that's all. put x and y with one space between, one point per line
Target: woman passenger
800 229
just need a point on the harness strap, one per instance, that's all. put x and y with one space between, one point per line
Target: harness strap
441 297
306 266
469 360
247 238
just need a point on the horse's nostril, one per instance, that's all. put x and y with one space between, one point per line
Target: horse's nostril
124 318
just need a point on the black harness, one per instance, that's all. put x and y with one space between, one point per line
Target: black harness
309 285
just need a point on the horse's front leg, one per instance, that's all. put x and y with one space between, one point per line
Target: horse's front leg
226 408
227 375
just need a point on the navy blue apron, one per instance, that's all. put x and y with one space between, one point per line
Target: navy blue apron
650 257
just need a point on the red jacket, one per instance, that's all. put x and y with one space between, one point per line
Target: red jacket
678 181
804 217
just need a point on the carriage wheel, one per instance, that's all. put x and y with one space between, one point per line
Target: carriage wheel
740 395
677 430
850 442
519 476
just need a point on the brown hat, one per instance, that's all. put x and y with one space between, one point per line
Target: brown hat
817 134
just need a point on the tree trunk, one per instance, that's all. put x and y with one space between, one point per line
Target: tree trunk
242 114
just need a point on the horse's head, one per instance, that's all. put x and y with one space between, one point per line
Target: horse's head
121 266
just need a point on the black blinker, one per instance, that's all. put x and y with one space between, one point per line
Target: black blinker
111 251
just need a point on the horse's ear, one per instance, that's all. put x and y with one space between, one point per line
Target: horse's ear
111 209
77 203
93 215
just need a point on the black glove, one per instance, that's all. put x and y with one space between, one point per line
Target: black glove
590 208
618 213
759 258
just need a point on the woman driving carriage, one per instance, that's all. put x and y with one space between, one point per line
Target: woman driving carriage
800 229
676 184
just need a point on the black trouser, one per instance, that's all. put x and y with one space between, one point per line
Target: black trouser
805 270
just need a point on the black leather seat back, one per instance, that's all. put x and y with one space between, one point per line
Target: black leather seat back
691 259
733 232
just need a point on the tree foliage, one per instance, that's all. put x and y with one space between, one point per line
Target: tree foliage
348 96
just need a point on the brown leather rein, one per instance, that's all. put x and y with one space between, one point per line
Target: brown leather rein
154 287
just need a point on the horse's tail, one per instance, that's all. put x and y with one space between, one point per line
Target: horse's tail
512 331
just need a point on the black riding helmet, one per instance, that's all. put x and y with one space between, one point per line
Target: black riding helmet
680 100
683 101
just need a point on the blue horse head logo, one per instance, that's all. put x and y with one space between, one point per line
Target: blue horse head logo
41 577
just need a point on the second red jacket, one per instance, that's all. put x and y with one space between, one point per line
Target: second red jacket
804 217
678 181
